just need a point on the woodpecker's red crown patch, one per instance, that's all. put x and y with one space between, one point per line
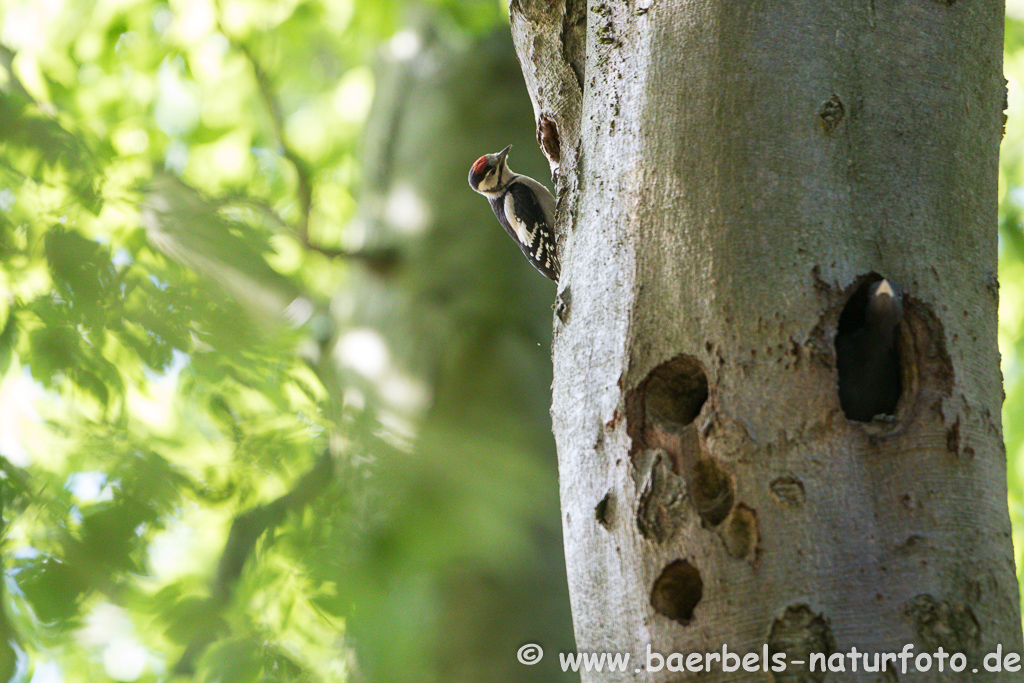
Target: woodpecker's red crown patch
480 165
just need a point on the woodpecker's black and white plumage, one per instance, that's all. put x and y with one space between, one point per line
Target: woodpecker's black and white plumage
867 352
523 206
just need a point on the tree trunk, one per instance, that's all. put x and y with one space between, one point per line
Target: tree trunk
731 176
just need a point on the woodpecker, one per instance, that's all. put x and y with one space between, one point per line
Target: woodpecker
523 206
867 356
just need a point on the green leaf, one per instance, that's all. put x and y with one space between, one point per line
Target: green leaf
52 587
192 618
8 341
109 532
81 270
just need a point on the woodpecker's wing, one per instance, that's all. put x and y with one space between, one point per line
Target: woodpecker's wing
547 201
529 223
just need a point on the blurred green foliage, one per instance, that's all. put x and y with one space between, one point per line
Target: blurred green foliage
201 473
218 460
1011 273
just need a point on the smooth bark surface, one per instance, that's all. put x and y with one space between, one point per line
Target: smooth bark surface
730 174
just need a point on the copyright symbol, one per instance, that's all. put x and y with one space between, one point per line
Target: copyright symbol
530 654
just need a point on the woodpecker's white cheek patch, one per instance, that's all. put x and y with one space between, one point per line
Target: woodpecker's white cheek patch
522 231
487 184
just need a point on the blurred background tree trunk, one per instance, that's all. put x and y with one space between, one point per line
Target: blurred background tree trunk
730 179
466 319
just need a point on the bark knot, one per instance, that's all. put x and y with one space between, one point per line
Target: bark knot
831 113
798 633
940 623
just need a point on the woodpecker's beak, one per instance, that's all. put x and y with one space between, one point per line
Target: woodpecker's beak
502 154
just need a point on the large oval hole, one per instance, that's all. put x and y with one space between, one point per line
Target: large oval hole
868 351
677 591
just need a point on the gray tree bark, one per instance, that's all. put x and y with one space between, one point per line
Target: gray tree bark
730 175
